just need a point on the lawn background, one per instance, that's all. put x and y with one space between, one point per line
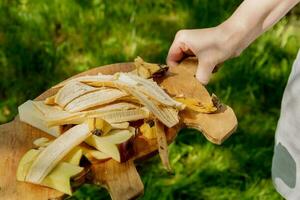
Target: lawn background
44 42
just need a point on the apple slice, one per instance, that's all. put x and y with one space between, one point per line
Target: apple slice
73 157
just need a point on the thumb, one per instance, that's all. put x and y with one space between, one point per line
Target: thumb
204 72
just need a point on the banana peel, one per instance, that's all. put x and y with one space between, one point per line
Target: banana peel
55 152
71 91
196 106
149 70
162 145
59 177
104 112
97 98
147 130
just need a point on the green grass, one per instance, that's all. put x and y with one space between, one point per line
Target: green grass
44 42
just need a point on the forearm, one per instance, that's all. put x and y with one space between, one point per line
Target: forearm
251 19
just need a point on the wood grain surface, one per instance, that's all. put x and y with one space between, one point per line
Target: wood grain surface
121 180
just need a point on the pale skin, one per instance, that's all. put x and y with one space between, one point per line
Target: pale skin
213 46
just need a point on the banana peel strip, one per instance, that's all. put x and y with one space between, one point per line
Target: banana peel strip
84 149
147 86
78 118
112 107
166 116
46 109
30 114
162 145
87 79
56 151
153 90
130 99
93 99
120 116
71 91
113 117
150 88
122 125
195 105
54 114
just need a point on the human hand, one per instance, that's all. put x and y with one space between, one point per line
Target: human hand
211 46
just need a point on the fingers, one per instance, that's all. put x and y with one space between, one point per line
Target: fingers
175 54
178 50
201 43
204 72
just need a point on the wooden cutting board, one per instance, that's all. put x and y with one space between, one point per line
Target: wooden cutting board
121 180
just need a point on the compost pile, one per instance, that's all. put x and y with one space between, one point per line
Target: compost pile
98 117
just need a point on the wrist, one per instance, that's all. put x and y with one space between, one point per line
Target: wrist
235 36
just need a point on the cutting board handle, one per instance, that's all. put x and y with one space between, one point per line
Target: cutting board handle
216 127
121 180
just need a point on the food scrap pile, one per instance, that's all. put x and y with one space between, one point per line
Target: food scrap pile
98 117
